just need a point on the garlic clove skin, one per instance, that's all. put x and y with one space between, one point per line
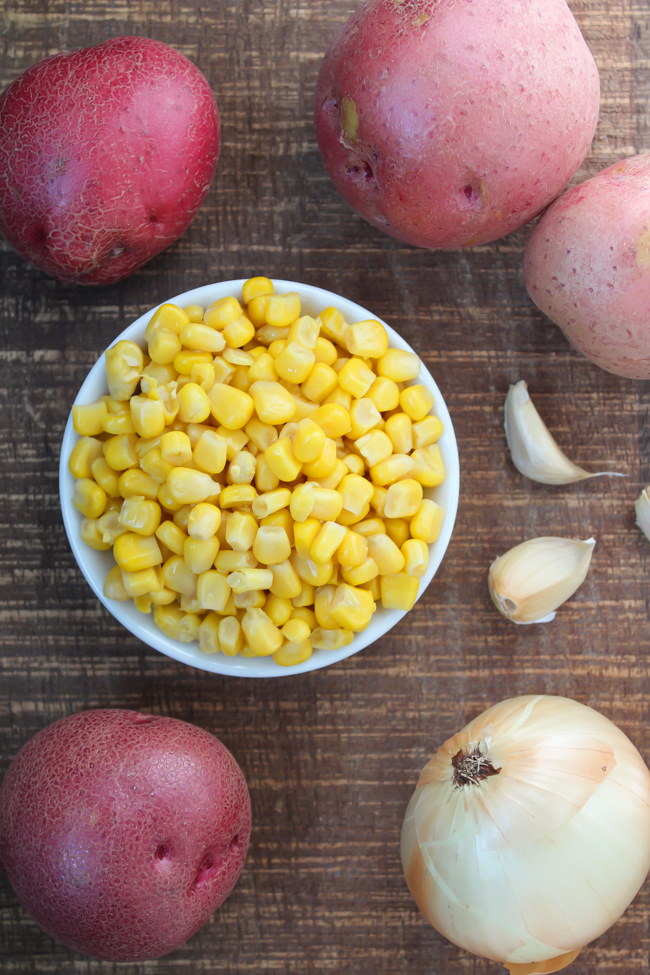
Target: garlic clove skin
534 451
532 580
642 509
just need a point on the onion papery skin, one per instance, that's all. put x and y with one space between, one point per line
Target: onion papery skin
543 857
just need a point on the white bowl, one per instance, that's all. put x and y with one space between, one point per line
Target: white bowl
95 565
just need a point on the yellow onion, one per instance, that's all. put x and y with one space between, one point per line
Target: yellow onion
529 832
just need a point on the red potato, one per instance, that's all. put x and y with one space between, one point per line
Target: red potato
447 123
122 832
106 154
587 266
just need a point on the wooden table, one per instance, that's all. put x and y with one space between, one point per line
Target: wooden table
331 757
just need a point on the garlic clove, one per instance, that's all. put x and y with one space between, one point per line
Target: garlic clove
530 581
534 451
642 508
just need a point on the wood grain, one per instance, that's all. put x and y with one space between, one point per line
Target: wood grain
331 757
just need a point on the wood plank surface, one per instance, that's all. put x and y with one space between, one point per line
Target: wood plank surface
331 757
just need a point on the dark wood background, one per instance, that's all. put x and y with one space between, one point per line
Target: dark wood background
331 757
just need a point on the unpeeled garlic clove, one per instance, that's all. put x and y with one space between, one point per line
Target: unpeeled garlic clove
534 451
529 582
642 508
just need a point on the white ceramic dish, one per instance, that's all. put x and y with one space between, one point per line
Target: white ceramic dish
94 565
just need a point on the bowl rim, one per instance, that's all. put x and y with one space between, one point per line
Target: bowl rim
133 620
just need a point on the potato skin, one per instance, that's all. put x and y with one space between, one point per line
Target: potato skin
587 266
106 154
447 123
121 832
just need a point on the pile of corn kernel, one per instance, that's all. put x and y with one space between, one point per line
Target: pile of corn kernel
258 474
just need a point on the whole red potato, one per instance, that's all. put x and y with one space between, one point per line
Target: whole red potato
122 832
448 123
106 154
587 266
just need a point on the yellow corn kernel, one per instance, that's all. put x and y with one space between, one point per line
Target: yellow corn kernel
384 393
374 446
187 359
84 453
210 452
223 371
333 419
400 430
356 377
231 639
238 332
262 635
212 590
109 526
305 612
354 463
228 561
241 529
142 582
163 345
355 493
295 363
124 362
168 316
199 554
334 479
296 630
273 403
271 545
323 639
105 476
230 407
399 591
165 499
270 502
333 325
209 634
320 382
171 536
260 434
394 468
416 556
177 624
158 374
193 404
286 581
280 458
253 599
221 312
364 415
325 351
326 542
203 520
282 310
403 498
255 287
278 610
91 535
386 554
427 431
416 401
367 339
250 580
147 416
265 479
327 504
324 465
114 586
202 338
308 441
263 369
304 533
154 466
119 423
360 574
137 483
304 331
88 419
292 654
181 516
194 312
353 550
399 365
188 486
175 448
378 500
428 465
351 607
347 518
89 498
120 452
241 469
140 515
398 530
427 521
134 552
302 501
322 605
313 573
177 575
370 526
236 440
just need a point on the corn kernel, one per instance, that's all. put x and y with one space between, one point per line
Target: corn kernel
105 476
296 630
270 502
262 635
91 534
203 520
327 541
142 582
273 403
416 556
304 533
89 498
403 498
154 466
265 479
364 415
171 536
282 310
295 363
286 581
239 332
230 636
370 526
353 550
320 383
236 440
271 545
427 431
119 423
253 599
228 561
134 552
360 574
201 337
292 654
385 553
354 463
416 401
209 634
177 575
384 393
255 287
210 453
322 606
114 586
367 339
199 554
427 521
394 468
88 420
212 590
327 504
398 591
428 465
313 573
280 458
120 452
335 639
248 580
398 530
374 446
334 419
278 610
263 369
355 493
221 312
333 325
324 465
308 441
175 448
325 351
140 515
241 529
187 486
241 469
193 403
399 365
230 407
400 430
351 607
124 362
356 377
82 456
